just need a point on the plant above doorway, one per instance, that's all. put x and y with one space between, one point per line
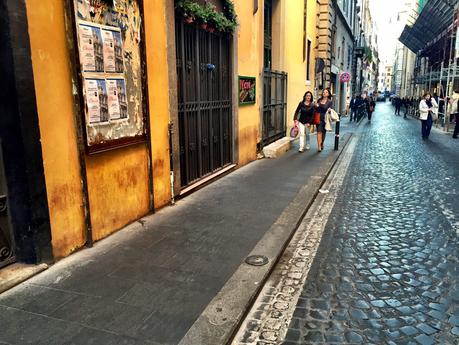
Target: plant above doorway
207 16
368 54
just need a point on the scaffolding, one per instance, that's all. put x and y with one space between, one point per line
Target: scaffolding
435 30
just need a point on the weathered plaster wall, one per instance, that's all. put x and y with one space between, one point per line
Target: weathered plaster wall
53 88
158 87
250 63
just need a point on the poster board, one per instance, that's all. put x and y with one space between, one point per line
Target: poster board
247 90
109 51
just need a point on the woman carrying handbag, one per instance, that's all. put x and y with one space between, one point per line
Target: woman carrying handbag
324 105
428 112
303 118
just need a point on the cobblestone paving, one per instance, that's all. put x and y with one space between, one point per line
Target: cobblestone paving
386 271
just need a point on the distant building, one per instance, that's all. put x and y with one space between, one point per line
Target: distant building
404 58
385 79
367 55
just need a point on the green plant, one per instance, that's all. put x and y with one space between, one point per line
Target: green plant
229 11
368 54
188 8
224 22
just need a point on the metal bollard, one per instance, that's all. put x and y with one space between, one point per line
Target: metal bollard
337 133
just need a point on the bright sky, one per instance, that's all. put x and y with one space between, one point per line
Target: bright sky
385 12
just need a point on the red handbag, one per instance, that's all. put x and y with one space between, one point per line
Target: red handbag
316 119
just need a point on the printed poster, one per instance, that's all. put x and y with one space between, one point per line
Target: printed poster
96 101
91 48
109 50
118 48
113 51
117 99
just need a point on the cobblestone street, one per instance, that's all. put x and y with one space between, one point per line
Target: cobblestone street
386 268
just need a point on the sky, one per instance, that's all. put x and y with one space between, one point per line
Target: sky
385 12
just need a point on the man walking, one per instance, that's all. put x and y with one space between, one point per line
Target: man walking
398 105
454 111
406 103
352 109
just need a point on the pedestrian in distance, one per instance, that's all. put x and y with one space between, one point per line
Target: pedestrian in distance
454 111
398 105
406 104
324 105
353 109
428 108
304 115
369 104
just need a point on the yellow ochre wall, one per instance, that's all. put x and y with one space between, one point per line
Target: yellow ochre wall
294 64
158 90
117 180
250 63
287 56
53 88
118 188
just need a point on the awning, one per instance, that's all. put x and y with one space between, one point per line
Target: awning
435 17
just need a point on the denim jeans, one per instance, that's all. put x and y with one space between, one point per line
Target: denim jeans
426 126
304 136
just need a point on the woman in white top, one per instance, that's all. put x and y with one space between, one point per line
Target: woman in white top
427 108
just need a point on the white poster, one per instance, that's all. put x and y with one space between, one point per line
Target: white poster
118 48
96 101
109 51
91 48
117 100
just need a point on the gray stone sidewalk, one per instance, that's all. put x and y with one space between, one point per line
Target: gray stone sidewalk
148 283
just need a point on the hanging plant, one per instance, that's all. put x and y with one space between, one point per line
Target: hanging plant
229 11
368 54
207 16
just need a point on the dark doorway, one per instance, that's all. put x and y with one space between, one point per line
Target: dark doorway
6 238
274 86
204 101
24 209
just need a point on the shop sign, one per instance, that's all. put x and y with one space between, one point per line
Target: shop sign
247 90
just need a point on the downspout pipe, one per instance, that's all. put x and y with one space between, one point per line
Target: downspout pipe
170 128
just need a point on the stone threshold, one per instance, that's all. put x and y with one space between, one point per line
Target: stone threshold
14 274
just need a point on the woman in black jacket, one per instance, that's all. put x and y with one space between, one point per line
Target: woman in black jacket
304 115
324 105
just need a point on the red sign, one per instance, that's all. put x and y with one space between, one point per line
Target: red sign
345 77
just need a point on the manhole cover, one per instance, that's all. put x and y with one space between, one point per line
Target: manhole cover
257 260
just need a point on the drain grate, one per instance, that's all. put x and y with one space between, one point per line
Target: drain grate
256 260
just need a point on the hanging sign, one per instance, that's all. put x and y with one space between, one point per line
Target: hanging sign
345 77
247 90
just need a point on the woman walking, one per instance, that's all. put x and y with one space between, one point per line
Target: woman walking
427 108
304 115
324 105
370 105
454 111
